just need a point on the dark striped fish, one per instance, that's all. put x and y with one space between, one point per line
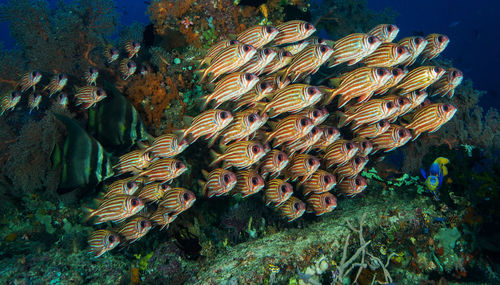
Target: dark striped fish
352 168
127 68
177 200
162 217
293 31
122 187
436 43
90 76
292 209
431 118
396 136
302 165
277 192
133 162
216 49
387 55
297 47
282 59
248 182
132 48
218 182
245 123
306 143
258 36
365 146
153 192
102 241
447 83
135 228
416 98
242 154
322 203
30 80
373 130
116 209
289 129
352 186
416 46
419 78
260 60
330 135
317 115
34 101
385 32
258 93
402 105
111 54
369 112
9 101
353 48
88 96
228 60
397 75
308 61
230 88
340 152
292 98
208 123
166 146
321 181
163 169
57 83
273 163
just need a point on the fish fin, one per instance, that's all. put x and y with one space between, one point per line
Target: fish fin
416 135
354 61
215 156
205 173
272 125
343 100
365 97
343 119
212 141
201 74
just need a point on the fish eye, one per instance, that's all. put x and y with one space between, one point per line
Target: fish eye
280 157
348 146
269 29
314 131
396 71
310 90
310 162
255 149
357 160
163 186
34 73
98 92
263 85
111 239
400 50
437 69
371 39
303 122
418 41
178 165
380 71
223 115
186 196
440 39
446 107
283 188
308 26
322 48
326 179
255 180
390 28
357 181
130 184
246 48
315 113
329 131
251 118
401 101
226 178
267 51
233 42
363 144
381 123
389 105
287 53
248 76
134 202
454 73
143 224
297 206
401 133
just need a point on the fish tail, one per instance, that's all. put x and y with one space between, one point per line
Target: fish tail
343 119
202 74
215 156
89 213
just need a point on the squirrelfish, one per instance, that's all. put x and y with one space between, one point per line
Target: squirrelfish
231 87
340 152
178 200
163 169
419 78
352 186
302 165
365 146
259 92
417 98
369 112
153 192
135 228
260 60
245 123
397 75
387 55
116 209
122 187
166 146
321 181
396 136
273 163
385 32
289 129
248 182
102 241
34 101
447 83
293 31
133 161
352 168
277 192
215 49
282 59
127 68
353 48
208 124
90 76
162 217
132 48
228 59
241 154
306 143
329 136
293 98
321 203
88 96
57 83
9 101
292 209
373 130
258 36
437 171
111 54
218 182
436 45
29 80
308 61
415 45
401 103
431 118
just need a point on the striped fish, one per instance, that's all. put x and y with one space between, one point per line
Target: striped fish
416 46
302 165
259 61
116 209
248 182
9 101
396 136
387 55
292 209
102 241
162 217
416 98
258 36
132 48
369 112
353 48
218 182
317 115
122 187
57 83
321 181
135 228
340 152
273 163
289 129
419 78
322 203
163 169
447 83
431 118
297 47
34 101
30 80
216 49
258 93
352 168
127 68
352 186
402 105
308 61
385 32
282 59
228 60
292 98
177 200
208 124
230 88
153 192
90 76
242 154
133 161
88 96
293 31
111 54
306 143
436 43
373 130
397 75
245 123
166 146
365 146
277 192
329 136
361 82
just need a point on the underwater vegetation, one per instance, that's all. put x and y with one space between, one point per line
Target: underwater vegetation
127 160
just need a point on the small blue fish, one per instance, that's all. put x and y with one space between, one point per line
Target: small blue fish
434 180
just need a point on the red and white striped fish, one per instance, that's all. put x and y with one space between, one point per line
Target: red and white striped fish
166 146
416 46
34 101
231 88
215 49
282 59
317 115
208 123
431 118
396 136
352 186
385 32
436 45
242 154
102 241
293 31
293 98
369 112
340 152
88 96
397 75
402 106
133 161
163 170
273 163
111 54
329 136
387 55
353 48
178 200
116 209
292 209
296 47
9 101
162 217
447 83
322 203
365 146
229 59
352 168
289 129
248 182
153 192
373 130
135 228
259 92
127 68
259 61
57 83
122 187
321 181
219 182
245 123
90 76
302 165
308 61
277 192
361 82
419 78
132 48
258 36
306 143
30 80
416 98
